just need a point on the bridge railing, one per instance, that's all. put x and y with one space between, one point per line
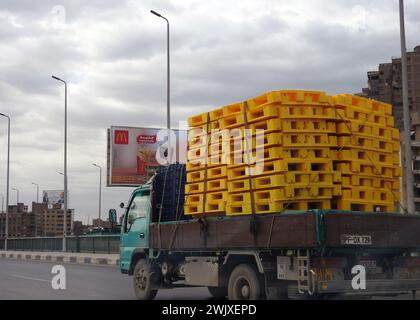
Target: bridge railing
82 244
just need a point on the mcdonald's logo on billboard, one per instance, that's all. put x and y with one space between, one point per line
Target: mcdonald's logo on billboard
121 137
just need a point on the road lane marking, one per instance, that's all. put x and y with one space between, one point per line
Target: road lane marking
30 278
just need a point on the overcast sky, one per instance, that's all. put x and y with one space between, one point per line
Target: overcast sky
112 53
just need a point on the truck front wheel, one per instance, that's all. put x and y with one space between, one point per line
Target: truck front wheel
142 281
244 284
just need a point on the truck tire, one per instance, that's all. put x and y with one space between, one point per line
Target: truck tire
218 292
142 282
244 284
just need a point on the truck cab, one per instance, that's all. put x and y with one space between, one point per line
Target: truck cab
135 227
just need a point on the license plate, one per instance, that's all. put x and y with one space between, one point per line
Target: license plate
354 239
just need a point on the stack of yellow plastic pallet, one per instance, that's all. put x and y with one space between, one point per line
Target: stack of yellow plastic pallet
367 155
302 160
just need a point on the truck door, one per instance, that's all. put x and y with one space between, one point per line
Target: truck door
135 229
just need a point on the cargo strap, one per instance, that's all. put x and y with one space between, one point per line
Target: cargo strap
202 220
253 227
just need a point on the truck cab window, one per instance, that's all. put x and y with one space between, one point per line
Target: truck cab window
137 209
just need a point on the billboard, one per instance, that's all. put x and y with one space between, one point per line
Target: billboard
54 198
135 153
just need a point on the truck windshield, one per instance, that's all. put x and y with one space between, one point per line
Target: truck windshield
138 207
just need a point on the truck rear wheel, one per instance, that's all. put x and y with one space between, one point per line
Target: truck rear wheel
244 284
142 281
218 292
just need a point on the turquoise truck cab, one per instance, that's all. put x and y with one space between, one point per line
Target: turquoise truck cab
135 227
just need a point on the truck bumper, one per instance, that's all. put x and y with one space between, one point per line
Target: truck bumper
372 286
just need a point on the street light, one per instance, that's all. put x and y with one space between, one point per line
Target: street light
408 153
168 79
7 180
37 201
37 191
65 162
1 219
17 195
17 211
100 191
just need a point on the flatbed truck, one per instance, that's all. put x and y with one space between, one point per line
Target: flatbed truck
296 255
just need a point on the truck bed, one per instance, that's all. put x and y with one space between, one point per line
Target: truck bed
314 229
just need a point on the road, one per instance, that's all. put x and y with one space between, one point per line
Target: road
25 279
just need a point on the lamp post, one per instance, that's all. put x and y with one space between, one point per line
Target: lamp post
168 82
17 211
100 191
7 180
65 162
408 153
1 219
37 201
17 195
37 191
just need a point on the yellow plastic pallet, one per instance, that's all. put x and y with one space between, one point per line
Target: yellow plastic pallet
366 168
228 122
319 178
372 195
247 142
260 182
198 120
212 173
361 206
236 108
305 112
307 126
291 97
365 155
259 195
192 209
311 191
217 172
309 140
238 209
194 199
381 107
197 141
308 165
360 181
217 185
195 176
243 171
261 113
215 207
194 188
367 143
220 196
311 154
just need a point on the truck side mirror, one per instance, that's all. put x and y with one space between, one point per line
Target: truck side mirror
130 219
122 205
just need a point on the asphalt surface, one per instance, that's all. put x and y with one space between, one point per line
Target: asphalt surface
27 280
32 280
